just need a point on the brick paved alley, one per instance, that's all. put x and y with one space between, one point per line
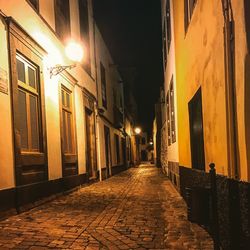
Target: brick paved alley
137 209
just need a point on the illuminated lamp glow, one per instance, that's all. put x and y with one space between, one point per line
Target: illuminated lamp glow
74 52
137 130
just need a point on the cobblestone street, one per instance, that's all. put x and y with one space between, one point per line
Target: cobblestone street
137 209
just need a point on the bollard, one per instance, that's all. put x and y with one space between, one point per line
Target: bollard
214 224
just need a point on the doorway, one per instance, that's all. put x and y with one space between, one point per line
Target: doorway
107 150
196 131
90 144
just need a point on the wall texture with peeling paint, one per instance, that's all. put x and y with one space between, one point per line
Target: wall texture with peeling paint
199 55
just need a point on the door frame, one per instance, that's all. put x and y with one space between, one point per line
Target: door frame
32 162
68 82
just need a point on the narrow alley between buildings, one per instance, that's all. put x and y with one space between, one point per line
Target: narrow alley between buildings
136 209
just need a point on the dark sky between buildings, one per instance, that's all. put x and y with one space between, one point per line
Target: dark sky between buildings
132 32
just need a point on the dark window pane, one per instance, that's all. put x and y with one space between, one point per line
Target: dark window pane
22 114
65 140
168 119
143 141
34 3
63 98
84 30
172 111
168 20
103 84
32 77
164 44
69 132
62 19
117 149
67 100
20 70
34 123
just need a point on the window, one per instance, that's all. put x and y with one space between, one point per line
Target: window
117 148
103 85
28 105
188 8
167 34
34 4
143 140
171 114
164 44
172 110
67 121
168 119
168 23
62 19
84 30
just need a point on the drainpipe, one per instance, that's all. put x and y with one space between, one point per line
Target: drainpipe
230 89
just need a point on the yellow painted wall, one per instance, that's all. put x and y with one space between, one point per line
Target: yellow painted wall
200 62
7 179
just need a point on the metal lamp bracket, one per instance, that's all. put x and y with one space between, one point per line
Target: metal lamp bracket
59 68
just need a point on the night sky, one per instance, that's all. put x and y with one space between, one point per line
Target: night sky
132 32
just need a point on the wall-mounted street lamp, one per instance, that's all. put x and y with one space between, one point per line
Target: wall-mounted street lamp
137 130
74 52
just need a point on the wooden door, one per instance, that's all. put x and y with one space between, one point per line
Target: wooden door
90 144
107 149
196 131
68 138
27 91
124 150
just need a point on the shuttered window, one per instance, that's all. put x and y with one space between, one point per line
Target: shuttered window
28 105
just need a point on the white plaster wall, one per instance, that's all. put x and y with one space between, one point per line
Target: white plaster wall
80 130
53 126
173 151
42 33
